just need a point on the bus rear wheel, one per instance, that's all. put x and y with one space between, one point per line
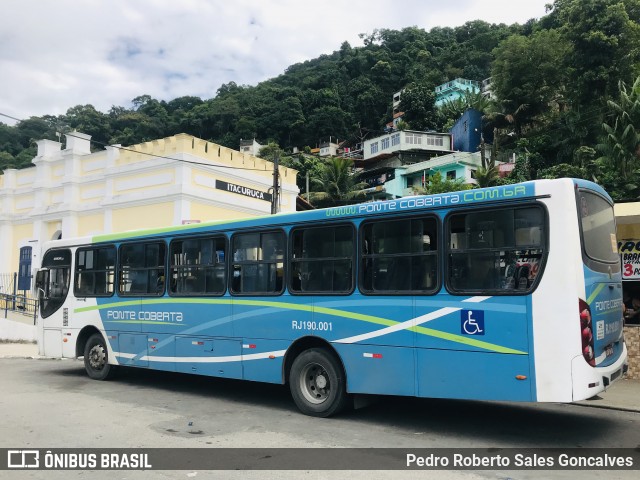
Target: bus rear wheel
317 383
96 358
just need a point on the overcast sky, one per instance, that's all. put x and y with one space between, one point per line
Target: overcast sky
58 54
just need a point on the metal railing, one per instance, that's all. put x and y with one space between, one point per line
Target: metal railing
21 304
24 302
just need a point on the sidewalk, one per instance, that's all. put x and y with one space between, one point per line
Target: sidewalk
623 395
17 327
18 335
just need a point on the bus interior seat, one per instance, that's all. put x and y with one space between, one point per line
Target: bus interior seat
313 280
138 284
509 282
522 277
398 277
190 284
341 277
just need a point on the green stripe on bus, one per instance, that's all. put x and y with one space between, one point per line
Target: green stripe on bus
595 293
466 341
307 308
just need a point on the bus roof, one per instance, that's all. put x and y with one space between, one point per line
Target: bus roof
405 204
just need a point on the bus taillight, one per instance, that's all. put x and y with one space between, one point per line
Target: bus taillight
586 330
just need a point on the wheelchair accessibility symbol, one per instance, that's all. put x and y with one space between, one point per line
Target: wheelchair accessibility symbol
472 322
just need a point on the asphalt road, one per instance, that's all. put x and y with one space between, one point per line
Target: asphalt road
53 404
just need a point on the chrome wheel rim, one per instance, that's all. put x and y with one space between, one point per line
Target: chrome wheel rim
314 383
97 357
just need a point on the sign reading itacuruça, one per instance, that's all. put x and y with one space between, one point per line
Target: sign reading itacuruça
241 190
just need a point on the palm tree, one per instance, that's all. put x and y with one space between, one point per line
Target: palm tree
487 175
454 108
337 184
620 144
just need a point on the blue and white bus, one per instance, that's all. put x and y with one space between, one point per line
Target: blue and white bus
506 293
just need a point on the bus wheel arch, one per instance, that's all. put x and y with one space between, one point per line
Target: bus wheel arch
316 377
83 337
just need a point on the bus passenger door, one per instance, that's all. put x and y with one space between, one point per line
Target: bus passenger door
53 283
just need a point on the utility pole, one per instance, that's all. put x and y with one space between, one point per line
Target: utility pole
276 183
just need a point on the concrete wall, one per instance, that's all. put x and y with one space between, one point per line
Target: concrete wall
632 339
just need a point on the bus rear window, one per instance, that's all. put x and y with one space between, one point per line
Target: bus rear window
598 227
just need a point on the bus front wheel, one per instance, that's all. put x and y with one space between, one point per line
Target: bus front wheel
96 358
317 383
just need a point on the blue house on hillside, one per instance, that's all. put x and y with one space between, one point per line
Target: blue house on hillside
467 131
455 89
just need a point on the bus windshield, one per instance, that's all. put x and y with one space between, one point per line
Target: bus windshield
598 227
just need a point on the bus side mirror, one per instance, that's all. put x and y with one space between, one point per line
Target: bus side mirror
42 282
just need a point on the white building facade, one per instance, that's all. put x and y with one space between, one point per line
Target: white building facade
73 192
406 140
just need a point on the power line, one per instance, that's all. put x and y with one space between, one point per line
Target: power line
9 116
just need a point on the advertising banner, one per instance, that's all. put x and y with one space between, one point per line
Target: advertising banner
630 257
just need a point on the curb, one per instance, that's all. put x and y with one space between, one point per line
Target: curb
607 407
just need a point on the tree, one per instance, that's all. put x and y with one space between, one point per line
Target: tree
7 161
563 170
418 104
452 109
436 184
337 184
487 175
528 76
86 119
34 129
605 39
10 140
620 145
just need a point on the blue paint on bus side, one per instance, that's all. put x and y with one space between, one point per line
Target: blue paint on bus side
240 328
403 345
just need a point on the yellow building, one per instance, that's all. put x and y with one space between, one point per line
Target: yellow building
72 192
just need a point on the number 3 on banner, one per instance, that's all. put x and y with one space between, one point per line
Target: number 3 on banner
628 269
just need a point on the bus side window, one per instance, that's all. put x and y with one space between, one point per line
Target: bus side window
258 263
198 266
94 271
141 269
399 256
322 259
491 257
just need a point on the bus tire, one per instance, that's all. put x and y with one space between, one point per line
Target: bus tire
96 358
317 383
